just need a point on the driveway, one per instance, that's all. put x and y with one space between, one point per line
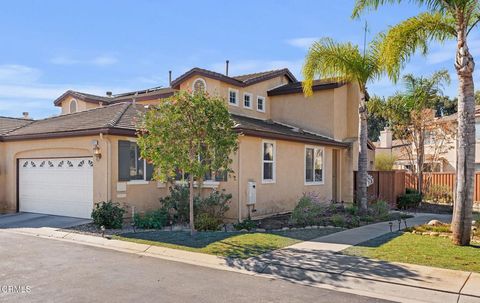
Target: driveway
31 220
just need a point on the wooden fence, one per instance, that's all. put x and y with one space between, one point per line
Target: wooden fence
387 185
444 179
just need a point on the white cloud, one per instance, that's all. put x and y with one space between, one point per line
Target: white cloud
12 73
102 60
304 42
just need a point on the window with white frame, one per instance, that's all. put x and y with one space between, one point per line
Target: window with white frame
268 161
314 165
247 100
233 96
131 166
261 104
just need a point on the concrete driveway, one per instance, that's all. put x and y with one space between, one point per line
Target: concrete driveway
31 220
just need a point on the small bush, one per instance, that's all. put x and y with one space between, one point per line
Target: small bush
379 209
152 219
384 161
108 214
177 204
439 194
353 221
352 210
215 205
247 224
408 201
206 222
411 191
307 211
338 220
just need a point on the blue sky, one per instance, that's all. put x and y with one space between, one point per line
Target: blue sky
93 46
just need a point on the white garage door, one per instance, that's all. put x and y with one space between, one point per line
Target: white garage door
56 186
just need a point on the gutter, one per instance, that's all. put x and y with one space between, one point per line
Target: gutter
73 133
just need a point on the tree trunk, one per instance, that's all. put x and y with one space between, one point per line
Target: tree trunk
362 153
462 213
192 223
420 160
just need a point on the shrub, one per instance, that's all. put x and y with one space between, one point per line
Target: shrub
439 193
177 204
379 209
206 222
352 210
215 205
307 212
384 161
353 221
411 191
338 220
247 224
409 201
152 219
108 214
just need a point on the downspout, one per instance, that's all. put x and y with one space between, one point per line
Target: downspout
239 179
109 166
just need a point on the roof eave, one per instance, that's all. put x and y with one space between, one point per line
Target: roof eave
73 133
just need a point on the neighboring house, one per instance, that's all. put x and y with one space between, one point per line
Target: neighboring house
288 145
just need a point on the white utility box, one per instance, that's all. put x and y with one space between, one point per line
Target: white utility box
251 193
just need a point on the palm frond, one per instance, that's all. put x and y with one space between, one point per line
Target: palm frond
442 6
403 40
328 59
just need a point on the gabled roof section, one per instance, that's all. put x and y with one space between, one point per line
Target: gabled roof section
141 95
275 130
241 81
120 118
9 124
296 87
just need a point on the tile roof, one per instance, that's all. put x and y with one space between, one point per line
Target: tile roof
241 80
8 124
296 87
121 117
276 130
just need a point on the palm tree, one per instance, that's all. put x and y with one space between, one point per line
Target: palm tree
446 19
344 62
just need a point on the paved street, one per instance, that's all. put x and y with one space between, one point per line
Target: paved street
59 271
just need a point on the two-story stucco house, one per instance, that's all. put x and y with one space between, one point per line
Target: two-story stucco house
288 145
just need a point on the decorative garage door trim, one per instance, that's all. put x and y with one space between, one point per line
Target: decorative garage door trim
57 186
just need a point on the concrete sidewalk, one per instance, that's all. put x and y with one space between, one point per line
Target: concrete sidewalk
318 263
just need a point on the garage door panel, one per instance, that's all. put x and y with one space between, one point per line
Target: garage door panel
56 186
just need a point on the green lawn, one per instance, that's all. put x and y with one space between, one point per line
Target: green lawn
422 250
238 245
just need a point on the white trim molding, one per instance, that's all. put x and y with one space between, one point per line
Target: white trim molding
273 161
315 149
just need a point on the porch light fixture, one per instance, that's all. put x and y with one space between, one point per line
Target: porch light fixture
96 150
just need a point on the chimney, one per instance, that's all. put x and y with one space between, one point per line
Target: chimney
109 94
386 138
26 115
170 77
226 67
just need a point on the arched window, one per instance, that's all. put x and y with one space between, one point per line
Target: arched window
199 85
73 106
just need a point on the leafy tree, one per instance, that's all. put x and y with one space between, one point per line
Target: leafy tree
445 106
411 115
375 120
345 62
188 133
445 19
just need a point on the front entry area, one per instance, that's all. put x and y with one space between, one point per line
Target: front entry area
56 186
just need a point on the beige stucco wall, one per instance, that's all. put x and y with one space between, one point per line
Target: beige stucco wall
81 105
221 89
3 172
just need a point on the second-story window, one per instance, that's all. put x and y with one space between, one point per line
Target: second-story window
199 85
73 106
247 100
261 104
233 96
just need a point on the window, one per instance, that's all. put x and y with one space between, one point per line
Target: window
247 100
199 85
313 165
73 106
477 130
261 104
130 165
268 162
232 96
